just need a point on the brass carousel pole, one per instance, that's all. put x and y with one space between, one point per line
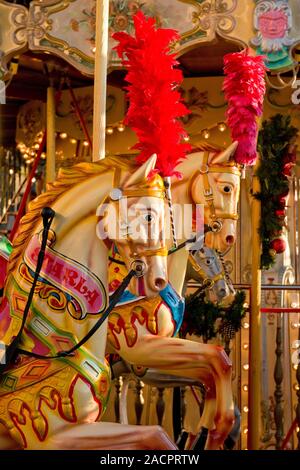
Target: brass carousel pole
50 162
255 325
100 78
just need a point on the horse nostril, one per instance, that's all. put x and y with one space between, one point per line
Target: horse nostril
222 292
230 240
160 283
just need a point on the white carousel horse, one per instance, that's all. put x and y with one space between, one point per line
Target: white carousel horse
141 331
207 267
40 397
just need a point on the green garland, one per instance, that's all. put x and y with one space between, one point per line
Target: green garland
274 143
206 319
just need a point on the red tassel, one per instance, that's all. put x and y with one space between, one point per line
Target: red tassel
155 102
244 88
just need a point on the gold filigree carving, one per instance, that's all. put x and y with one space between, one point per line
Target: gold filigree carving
123 318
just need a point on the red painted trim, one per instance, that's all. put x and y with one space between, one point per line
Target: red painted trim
289 434
280 310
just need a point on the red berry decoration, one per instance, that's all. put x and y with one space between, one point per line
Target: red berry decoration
280 213
282 203
278 245
287 169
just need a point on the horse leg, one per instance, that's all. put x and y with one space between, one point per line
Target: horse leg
188 359
111 436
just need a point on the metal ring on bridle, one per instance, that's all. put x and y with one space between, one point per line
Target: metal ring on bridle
216 226
208 283
139 267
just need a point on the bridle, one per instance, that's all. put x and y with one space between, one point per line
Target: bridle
117 195
208 282
216 217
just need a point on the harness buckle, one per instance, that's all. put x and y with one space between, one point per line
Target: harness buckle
216 226
204 169
208 193
139 267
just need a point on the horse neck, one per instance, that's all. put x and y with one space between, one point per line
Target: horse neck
77 245
181 193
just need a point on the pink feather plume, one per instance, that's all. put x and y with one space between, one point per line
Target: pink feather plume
244 88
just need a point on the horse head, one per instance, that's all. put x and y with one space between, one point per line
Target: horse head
210 270
134 220
216 185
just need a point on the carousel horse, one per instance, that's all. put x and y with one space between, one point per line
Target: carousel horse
141 330
205 266
47 390
208 267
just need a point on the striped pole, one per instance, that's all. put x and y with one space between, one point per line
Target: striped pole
167 182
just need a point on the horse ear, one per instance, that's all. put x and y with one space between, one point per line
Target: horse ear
142 173
224 156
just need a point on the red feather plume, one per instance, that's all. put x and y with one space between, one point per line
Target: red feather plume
244 88
155 104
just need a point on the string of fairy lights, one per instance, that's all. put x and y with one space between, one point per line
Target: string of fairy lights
29 152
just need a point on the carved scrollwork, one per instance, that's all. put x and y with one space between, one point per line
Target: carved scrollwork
216 15
29 25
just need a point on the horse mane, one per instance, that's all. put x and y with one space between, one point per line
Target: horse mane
66 179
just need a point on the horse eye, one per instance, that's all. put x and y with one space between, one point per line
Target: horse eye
227 189
148 217
208 262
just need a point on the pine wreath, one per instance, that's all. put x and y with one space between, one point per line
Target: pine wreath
278 156
206 319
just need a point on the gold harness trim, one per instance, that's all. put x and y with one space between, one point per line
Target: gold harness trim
208 192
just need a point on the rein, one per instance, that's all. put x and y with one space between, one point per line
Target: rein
12 350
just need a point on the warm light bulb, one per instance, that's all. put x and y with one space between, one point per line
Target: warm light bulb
206 134
246 409
73 141
43 156
245 388
186 138
121 127
109 130
11 171
33 180
36 146
63 135
222 126
246 325
246 346
85 143
246 366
